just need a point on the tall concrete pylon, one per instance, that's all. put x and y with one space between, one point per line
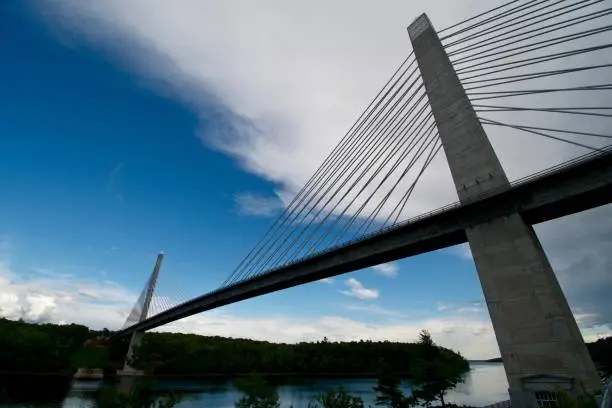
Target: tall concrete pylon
137 336
538 337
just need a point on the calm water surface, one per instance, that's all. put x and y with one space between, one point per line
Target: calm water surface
485 384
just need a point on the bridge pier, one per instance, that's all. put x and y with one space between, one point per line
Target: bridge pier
538 337
135 342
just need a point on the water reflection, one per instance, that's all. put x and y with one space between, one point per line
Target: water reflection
485 384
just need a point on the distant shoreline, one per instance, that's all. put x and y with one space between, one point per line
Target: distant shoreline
491 360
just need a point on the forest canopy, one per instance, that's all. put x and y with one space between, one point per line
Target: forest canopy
49 348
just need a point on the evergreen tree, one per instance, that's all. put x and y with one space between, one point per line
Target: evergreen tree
388 389
256 393
338 398
140 396
435 374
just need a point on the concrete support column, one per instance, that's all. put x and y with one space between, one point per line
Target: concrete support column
536 332
135 342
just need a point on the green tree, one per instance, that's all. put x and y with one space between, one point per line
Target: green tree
90 357
338 398
140 396
256 393
437 372
388 390
567 400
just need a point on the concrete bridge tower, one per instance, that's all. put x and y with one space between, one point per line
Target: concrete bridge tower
129 371
538 337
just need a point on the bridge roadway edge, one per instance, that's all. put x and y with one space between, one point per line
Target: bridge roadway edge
582 186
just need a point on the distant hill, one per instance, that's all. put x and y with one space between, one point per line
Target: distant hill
494 360
600 350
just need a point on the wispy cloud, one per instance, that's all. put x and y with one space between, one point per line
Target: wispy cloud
469 307
375 309
290 100
258 205
356 289
42 299
388 269
327 280
52 274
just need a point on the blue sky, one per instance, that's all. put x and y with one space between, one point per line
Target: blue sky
112 150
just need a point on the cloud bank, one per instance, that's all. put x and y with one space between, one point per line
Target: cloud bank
277 83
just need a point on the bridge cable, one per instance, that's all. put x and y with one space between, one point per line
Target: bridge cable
475 17
530 18
563 110
408 193
422 132
362 158
366 145
500 55
571 132
431 138
515 35
355 163
528 61
407 150
485 83
353 152
530 130
384 162
513 21
510 94
495 18
347 140
330 162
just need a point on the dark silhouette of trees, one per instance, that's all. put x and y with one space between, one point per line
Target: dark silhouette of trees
187 354
40 348
256 393
438 372
388 390
48 348
140 396
338 398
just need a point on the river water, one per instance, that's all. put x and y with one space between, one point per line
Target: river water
484 384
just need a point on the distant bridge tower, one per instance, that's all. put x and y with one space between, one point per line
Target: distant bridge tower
538 337
141 311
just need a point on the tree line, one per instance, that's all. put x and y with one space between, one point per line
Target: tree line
431 376
189 354
49 348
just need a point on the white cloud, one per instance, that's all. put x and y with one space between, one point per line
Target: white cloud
327 280
55 297
376 310
59 301
476 337
470 307
441 307
356 289
388 269
258 205
290 90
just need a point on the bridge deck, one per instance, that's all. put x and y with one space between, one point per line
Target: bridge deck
573 187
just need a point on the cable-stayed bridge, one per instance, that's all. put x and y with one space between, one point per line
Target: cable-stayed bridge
539 68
